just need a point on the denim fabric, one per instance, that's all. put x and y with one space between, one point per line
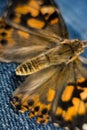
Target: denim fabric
74 13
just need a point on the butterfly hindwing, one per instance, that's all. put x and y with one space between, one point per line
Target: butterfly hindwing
37 94
40 91
71 107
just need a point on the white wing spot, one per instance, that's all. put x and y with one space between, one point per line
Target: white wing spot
84 127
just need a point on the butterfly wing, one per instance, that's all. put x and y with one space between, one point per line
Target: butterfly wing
17 46
33 14
38 92
58 92
19 40
70 104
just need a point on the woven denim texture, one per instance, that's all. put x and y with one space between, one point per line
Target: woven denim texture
75 15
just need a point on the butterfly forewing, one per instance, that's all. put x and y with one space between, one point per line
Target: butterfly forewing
37 14
16 44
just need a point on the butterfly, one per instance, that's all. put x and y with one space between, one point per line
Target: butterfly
33 34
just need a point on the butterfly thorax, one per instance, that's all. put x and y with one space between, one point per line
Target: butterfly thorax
77 46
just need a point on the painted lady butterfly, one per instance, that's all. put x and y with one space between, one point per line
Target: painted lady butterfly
33 33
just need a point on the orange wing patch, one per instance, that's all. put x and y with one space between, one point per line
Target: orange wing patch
67 94
32 7
77 108
48 11
51 94
82 86
35 23
23 34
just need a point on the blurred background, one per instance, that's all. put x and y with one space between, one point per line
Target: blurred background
75 16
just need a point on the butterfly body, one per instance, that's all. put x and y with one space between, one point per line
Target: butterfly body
65 52
33 33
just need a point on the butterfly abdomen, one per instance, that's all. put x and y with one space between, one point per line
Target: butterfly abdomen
33 65
44 60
